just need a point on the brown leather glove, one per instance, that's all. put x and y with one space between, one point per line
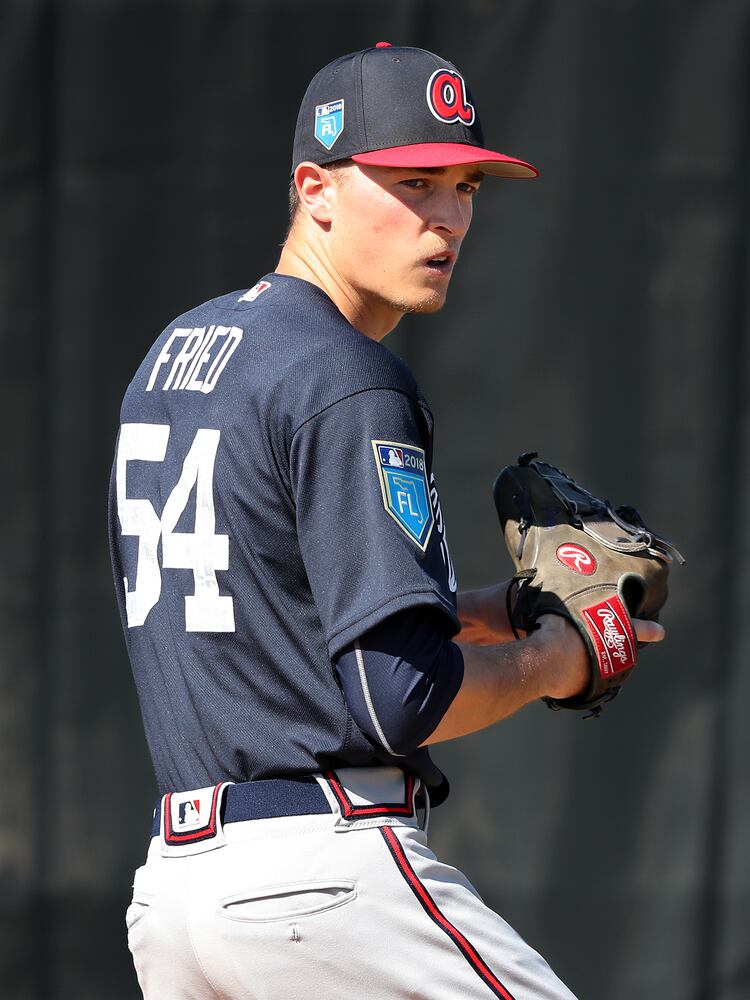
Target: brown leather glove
579 557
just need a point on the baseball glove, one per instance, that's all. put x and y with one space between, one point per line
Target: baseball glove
579 557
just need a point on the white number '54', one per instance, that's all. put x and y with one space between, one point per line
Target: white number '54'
202 550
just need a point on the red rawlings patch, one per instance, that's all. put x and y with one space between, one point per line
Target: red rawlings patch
612 634
577 558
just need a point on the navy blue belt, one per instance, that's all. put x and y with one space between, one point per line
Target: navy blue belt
267 799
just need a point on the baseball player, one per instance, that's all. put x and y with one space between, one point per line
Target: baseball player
287 594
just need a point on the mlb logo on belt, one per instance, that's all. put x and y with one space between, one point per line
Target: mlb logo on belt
402 470
188 815
191 817
329 122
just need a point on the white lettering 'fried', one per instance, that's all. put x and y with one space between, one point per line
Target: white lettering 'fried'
202 348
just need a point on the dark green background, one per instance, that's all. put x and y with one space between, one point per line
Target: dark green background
599 315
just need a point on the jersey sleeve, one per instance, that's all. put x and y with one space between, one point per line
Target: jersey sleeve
361 478
400 678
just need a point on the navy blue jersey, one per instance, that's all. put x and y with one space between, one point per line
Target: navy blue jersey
272 498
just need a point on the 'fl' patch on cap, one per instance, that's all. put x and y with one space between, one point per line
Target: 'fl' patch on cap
402 471
329 122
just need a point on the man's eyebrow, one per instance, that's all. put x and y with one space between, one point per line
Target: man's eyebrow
476 175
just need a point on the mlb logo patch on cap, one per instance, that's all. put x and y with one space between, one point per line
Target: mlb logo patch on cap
329 122
402 470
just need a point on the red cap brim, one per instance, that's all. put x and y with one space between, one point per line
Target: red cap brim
448 154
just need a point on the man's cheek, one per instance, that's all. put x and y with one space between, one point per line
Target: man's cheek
372 245
388 217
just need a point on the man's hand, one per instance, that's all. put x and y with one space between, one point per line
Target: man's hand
578 557
569 674
499 680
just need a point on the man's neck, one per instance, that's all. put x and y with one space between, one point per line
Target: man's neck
301 260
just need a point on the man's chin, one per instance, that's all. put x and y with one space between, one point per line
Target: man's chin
430 302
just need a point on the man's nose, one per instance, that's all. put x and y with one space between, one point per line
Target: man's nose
451 214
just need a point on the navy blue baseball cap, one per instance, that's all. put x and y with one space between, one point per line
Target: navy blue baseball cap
395 106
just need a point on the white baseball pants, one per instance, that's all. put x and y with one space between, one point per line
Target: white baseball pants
345 905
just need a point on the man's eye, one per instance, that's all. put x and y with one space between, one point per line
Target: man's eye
419 182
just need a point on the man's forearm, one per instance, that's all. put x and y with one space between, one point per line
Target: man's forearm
499 680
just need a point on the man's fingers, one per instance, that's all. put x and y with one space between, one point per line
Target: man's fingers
646 631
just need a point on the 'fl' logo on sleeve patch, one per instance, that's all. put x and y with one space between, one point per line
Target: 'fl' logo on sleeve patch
402 471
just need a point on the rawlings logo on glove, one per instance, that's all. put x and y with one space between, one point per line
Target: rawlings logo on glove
577 558
620 571
608 623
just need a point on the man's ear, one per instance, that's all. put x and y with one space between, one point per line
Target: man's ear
317 191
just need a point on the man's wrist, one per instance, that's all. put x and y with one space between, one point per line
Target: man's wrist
564 653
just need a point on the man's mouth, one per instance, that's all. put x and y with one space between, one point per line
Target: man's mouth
442 263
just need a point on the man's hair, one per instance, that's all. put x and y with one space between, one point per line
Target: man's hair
294 194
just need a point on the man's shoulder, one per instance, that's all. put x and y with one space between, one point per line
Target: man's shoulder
245 305
282 341
321 357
